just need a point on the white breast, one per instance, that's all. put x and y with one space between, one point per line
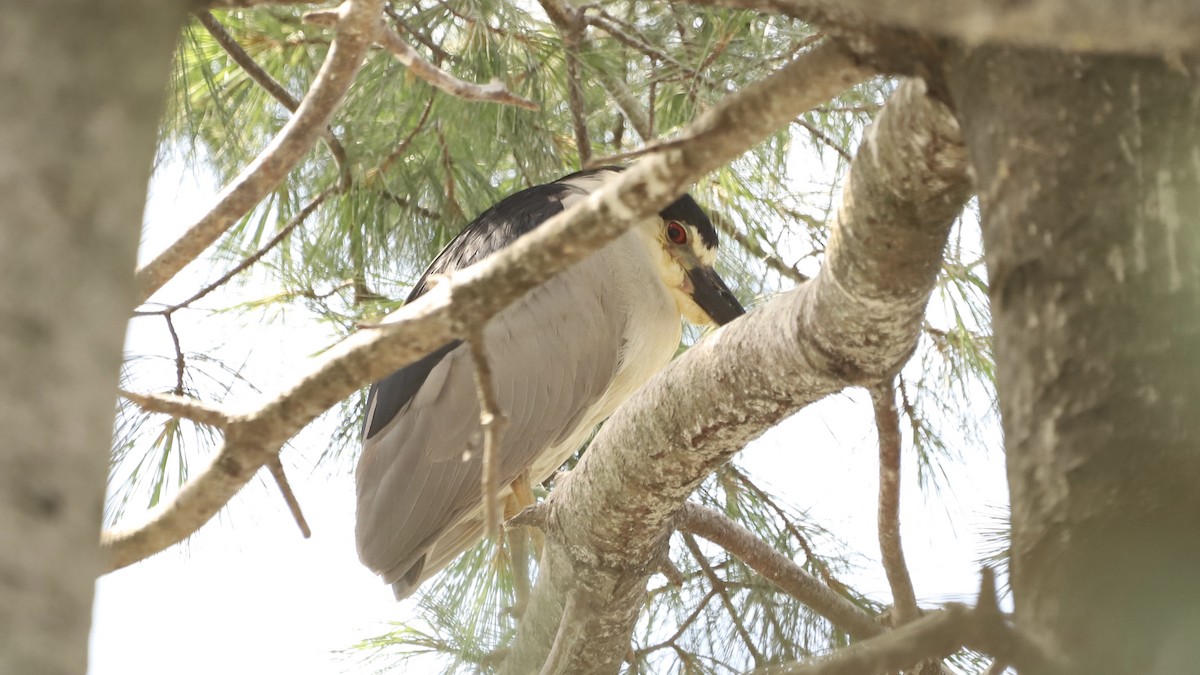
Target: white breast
651 337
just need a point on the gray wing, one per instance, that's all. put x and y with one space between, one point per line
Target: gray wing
553 354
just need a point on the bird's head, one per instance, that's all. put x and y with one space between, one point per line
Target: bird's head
684 244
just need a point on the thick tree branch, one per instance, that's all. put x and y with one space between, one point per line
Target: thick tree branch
1136 26
357 27
887 425
482 290
493 92
778 569
855 323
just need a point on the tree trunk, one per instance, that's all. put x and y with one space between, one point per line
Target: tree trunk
1088 172
83 84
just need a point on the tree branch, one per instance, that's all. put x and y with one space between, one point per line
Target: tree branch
1134 26
181 406
717 585
271 86
851 325
246 263
358 23
493 420
289 497
887 424
936 636
778 569
493 92
563 18
482 290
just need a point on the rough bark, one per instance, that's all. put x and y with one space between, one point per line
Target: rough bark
83 85
1138 26
853 324
1089 176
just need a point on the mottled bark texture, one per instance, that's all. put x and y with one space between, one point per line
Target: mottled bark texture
853 324
82 85
1113 26
1089 175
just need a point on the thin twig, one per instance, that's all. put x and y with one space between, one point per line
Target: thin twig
402 146
935 636
887 423
824 138
690 542
823 570
622 30
769 259
294 222
356 29
492 92
272 87
683 626
583 142
275 466
493 420
778 569
571 25
646 149
179 362
180 406
668 569
438 53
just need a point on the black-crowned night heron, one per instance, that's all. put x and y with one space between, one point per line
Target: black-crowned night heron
563 358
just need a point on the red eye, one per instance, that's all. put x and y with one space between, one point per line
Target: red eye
677 233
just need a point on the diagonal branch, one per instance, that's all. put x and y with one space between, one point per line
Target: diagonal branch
482 290
1131 26
356 29
936 636
270 85
851 325
778 569
493 92
246 263
887 425
719 586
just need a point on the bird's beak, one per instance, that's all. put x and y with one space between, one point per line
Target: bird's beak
713 296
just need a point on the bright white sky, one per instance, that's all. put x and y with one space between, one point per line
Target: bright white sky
249 595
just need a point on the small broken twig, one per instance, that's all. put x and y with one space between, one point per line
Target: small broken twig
180 406
887 424
275 466
493 421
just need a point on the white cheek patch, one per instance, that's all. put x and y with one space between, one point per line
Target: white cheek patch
706 255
